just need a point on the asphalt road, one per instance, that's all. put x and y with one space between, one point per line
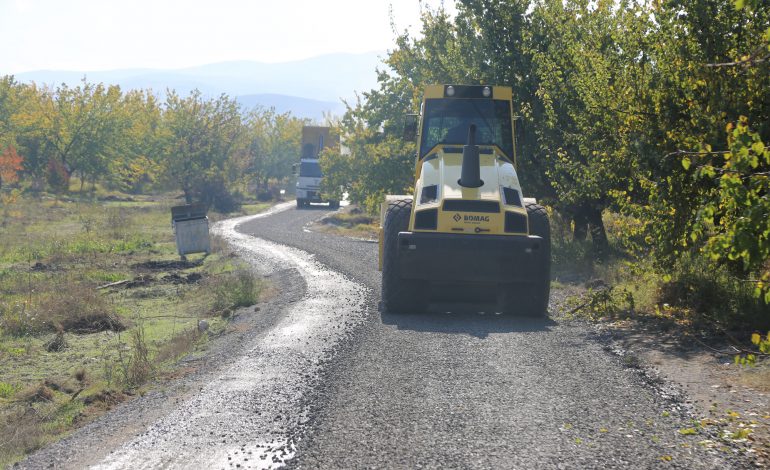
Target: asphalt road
463 388
319 378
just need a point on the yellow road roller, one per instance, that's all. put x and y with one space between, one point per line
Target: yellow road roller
467 233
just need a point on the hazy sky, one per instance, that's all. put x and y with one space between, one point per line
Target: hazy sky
109 34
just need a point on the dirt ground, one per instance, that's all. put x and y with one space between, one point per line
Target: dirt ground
731 402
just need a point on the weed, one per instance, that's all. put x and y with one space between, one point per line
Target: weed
136 368
87 221
21 433
236 289
7 390
56 344
117 223
141 367
697 284
352 222
604 302
81 375
219 245
177 346
38 393
78 309
16 318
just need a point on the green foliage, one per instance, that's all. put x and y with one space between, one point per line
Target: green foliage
271 146
701 285
7 390
131 142
235 289
623 107
16 318
735 222
199 140
376 165
762 345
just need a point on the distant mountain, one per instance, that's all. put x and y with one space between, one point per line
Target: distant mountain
301 107
321 81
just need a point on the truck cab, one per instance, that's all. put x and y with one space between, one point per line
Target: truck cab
308 171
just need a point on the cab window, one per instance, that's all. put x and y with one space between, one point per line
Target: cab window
446 121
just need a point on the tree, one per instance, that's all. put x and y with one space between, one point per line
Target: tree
80 126
10 166
271 146
8 89
136 162
200 138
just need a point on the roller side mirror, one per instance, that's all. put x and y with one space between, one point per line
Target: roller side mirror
410 127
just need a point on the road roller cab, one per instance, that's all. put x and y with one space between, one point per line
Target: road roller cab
467 228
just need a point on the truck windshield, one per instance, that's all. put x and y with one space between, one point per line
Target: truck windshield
311 169
446 121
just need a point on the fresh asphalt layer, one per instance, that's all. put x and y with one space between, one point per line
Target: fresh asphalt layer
461 388
319 378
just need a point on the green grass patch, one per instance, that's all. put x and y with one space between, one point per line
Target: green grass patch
7 390
69 344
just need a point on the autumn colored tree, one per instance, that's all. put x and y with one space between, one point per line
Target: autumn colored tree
10 166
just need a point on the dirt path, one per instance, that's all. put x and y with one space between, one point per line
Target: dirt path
248 403
320 379
463 388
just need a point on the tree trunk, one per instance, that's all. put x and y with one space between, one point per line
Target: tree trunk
598 232
580 229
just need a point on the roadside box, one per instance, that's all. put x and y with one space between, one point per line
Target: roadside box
191 229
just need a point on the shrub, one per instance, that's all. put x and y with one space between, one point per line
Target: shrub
118 223
705 287
140 368
213 192
7 390
16 318
76 308
235 289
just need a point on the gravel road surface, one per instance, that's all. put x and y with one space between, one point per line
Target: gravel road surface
461 388
323 380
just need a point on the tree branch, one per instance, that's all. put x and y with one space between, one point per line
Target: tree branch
751 59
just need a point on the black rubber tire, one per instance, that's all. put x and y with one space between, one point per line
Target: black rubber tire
399 295
531 298
334 204
300 203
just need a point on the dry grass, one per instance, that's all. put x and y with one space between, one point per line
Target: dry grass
177 346
68 350
233 290
77 308
350 222
757 377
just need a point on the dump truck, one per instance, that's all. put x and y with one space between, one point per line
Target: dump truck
308 171
467 233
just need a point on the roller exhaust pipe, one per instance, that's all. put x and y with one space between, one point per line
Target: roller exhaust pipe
470 177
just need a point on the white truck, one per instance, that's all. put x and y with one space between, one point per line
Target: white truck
314 140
